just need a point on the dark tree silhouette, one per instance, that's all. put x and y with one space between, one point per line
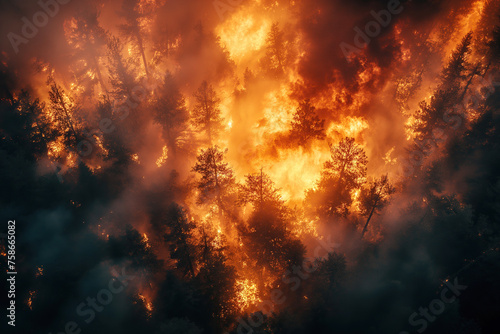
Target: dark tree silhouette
132 246
38 130
341 175
65 111
217 180
170 112
133 11
494 44
278 51
216 284
348 163
259 190
206 113
456 71
269 242
332 269
374 197
456 78
180 239
306 124
120 71
88 40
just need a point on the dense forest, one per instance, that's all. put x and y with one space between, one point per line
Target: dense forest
251 166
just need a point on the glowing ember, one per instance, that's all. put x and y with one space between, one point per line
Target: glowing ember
248 294
147 304
387 158
31 298
161 160
135 157
146 240
350 127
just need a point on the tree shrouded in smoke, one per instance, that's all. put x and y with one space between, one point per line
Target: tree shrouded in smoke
171 113
65 111
206 113
217 178
306 124
179 235
344 173
259 190
374 197
88 40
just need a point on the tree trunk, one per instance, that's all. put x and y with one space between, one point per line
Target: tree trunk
368 220
261 190
190 263
217 187
143 54
99 76
68 118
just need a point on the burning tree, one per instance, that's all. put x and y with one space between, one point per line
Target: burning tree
120 70
222 267
88 40
267 236
171 112
180 239
217 180
374 197
348 163
445 109
34 120
65 110
278 52
134 11
269 242
259 190
344 173
306 124
206 113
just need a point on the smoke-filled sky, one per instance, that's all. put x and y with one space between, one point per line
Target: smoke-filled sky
250 166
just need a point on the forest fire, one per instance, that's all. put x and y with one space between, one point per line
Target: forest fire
260 166
147 304
247 294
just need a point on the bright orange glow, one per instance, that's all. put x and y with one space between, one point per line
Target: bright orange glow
387 158
258 106
243 34
146 240
135 157
350 127
248 294
163 158
29 302
147 304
